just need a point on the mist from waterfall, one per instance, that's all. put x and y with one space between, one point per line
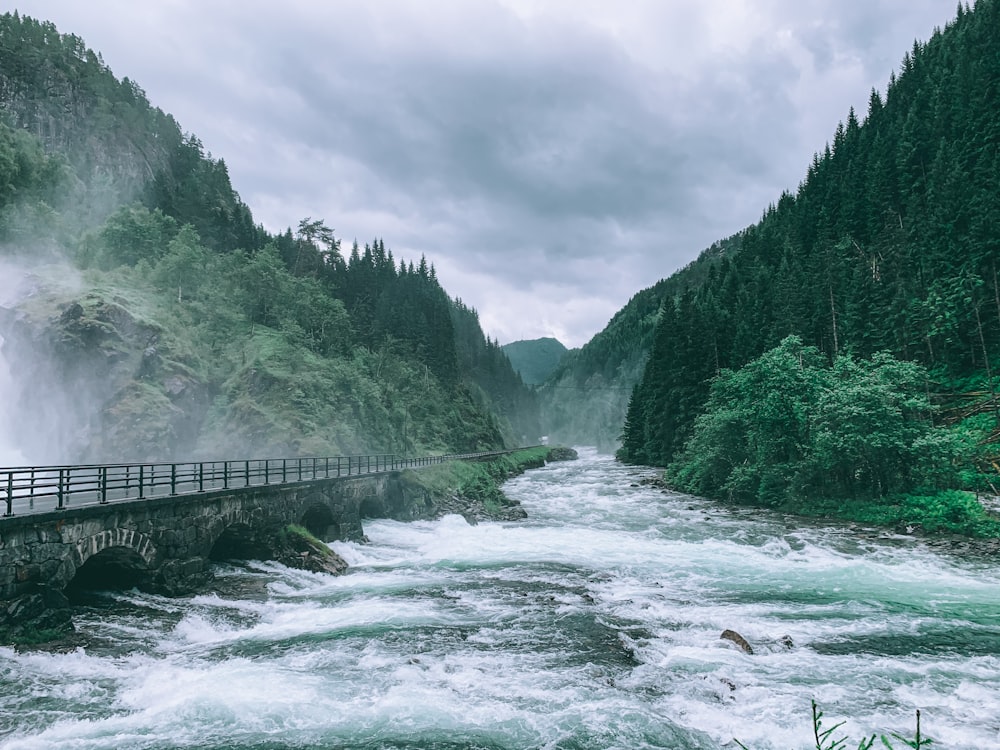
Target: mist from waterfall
39 439
10 454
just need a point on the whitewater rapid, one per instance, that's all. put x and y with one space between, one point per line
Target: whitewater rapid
594 623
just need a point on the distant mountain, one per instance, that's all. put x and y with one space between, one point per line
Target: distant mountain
536 359
585 399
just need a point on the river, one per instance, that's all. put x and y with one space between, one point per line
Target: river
594 623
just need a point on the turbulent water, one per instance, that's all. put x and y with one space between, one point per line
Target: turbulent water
593 624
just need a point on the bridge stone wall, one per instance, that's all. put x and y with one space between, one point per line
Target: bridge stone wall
166 542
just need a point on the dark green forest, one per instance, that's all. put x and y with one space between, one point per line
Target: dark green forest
888 249
213 334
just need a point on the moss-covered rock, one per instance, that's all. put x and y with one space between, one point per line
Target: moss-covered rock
296 547
467 488
560 453
35 617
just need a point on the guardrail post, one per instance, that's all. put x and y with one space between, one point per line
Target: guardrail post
10 494
246 474
104 483
142 482
300 468
338 466
62 484
173 479
225 475
201 477
267 471
327 459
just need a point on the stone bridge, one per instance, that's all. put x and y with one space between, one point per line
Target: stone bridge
164 544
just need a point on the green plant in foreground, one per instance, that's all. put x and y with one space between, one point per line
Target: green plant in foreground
825 739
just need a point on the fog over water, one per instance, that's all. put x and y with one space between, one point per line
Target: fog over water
594 623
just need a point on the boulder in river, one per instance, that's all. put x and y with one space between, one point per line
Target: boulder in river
560 453
739 640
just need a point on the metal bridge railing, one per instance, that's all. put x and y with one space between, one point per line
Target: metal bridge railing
38 489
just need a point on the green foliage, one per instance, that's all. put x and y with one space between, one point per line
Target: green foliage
477 480
826 737
300 539
27 635
130 235
787 426
886 246
491 379
29 181
946 511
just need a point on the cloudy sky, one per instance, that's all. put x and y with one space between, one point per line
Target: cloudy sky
550 157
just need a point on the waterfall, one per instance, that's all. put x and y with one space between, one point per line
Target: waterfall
12 278
10 455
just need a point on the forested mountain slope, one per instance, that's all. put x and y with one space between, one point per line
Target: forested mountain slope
889 245
152 317
585 399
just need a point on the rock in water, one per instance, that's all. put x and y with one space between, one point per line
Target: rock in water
297 548
739 640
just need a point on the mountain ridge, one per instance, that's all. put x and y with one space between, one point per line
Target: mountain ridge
291 341
535 359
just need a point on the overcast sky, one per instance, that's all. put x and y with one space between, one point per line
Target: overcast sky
550 157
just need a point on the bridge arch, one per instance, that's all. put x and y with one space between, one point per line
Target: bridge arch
320 521
234 536
130 539
113 559
372 507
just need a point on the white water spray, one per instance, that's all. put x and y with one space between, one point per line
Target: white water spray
10 455
11 281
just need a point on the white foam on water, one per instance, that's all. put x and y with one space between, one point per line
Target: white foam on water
595 623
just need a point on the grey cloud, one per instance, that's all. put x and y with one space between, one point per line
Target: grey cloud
550 151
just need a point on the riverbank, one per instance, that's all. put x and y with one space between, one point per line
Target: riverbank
950 520
471 489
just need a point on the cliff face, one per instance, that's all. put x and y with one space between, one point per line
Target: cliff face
93 381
